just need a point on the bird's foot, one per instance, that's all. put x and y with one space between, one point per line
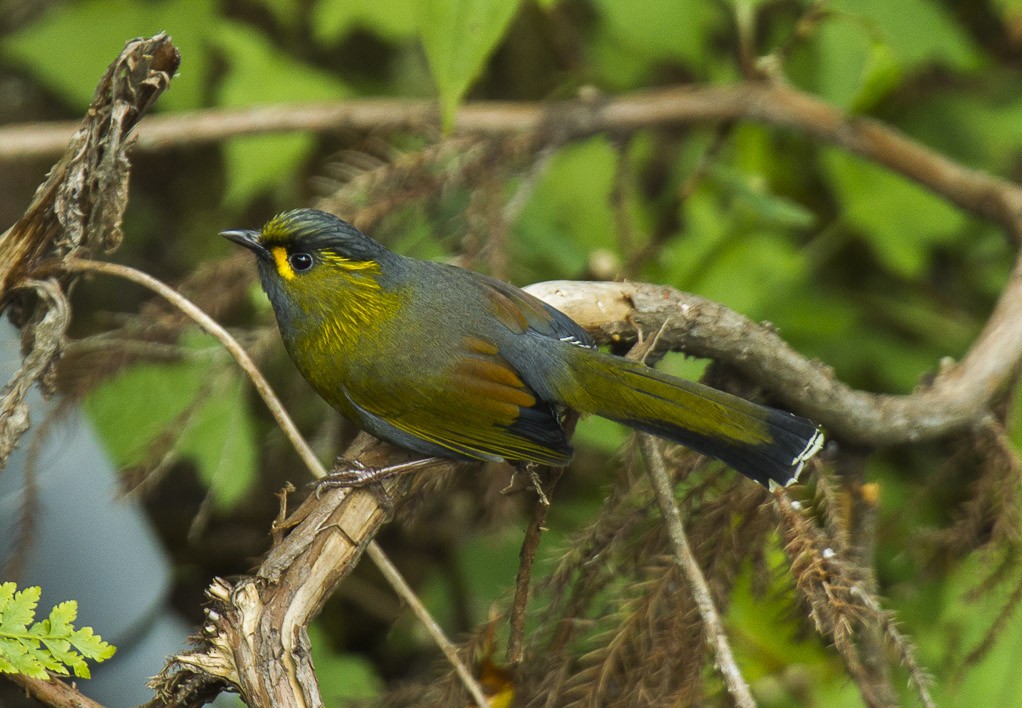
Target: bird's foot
352 474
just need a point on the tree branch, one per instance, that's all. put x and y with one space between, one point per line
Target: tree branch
53 692
716 637
78 206
770 103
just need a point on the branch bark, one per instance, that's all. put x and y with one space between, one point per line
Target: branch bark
770 103
53 692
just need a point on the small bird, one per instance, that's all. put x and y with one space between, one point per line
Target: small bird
451 363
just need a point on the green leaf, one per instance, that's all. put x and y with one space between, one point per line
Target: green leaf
459 36
6 594
900 220
569 213
62 616
342 676
70 47
260 73
600 434
138 404
867 46
19 610
1010 11
287 12
640 27
222 441
49 646
770 265
332 20
684 257
882 74
982 133
631 37
753 197
917 31
91 645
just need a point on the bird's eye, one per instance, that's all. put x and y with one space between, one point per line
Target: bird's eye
300 262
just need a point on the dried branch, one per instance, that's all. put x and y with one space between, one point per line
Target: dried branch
515 652
79 206
841 607
44 339
716 637
81 203
770 103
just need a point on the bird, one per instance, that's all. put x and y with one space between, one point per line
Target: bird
447 362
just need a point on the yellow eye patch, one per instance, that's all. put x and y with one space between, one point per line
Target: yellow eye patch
283 267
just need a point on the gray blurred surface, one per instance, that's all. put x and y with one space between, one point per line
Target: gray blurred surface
87 545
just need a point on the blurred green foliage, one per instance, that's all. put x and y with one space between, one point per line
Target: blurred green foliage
856 266
135 408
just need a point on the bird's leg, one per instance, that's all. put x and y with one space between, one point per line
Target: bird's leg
352 474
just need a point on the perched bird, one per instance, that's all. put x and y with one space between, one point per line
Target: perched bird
447 362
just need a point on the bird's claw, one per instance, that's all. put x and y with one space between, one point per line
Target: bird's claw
352 474
349 474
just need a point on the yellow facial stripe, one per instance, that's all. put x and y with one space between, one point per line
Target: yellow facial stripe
371 266
283 267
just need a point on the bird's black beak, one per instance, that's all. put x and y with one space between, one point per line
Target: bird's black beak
248 239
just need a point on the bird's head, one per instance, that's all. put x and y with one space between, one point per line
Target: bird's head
312 263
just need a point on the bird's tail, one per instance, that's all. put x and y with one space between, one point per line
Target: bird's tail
765 444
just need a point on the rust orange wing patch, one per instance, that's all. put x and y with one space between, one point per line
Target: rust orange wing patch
485 411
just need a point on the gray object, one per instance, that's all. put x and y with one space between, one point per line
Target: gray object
88 545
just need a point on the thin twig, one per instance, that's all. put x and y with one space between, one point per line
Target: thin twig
211 327
515 652
686 560
396 581
294 436
918 677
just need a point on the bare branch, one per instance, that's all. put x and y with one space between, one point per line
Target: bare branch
686 560
515 652
53 692
770 103
81 203
422 614
46 337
